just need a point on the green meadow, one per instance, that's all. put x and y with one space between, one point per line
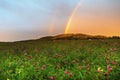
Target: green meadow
89 59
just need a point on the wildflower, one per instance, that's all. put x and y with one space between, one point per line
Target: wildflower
111 49
30 57
109 68
25 54
80 67
115 49
43 67
107 61
114 62
51 78
106 74
65 62
73 61
36 69
70 74
66 71
8 79
99 70
59 65
19 71
35 50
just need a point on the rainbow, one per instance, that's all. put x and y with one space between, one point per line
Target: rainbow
71 17
52 24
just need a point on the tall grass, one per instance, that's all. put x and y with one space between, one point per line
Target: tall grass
60 60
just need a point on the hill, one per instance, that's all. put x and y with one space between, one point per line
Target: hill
78 36
71 36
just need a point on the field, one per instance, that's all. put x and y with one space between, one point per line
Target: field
97 59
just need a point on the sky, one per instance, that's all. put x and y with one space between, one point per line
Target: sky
32 19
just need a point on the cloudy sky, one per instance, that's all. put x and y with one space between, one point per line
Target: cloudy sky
30 19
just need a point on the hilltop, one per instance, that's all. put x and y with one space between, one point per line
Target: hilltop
77 36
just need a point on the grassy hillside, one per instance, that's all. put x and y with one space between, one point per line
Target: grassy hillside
60 60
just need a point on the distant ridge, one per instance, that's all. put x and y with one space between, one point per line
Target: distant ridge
72 36
78 36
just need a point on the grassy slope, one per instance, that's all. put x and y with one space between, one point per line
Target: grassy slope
82 58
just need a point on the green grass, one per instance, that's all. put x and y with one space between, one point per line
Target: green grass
44 60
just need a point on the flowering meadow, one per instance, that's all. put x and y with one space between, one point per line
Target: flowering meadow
97 59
